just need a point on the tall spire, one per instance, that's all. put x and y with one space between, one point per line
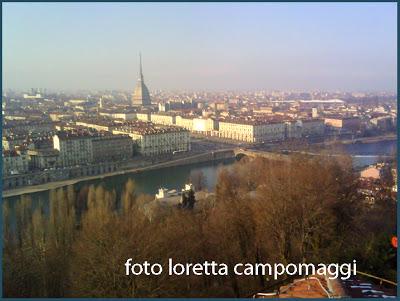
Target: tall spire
141 96
140 59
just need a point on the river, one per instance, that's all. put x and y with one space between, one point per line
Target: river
150 180
369 153
175 177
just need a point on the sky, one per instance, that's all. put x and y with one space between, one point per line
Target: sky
201 46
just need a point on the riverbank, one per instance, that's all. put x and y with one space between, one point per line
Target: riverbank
195 158
185 159
389 137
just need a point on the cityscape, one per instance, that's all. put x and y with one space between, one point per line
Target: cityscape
92 177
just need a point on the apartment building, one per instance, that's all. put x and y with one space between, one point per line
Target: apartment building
109 147
204 125
270 131
15 162
343 123
312 127
74 148
184 122
29 126
10 142
119 115
99 124
43 158
143 116
162 118
293 129
252 131
83 147
151 140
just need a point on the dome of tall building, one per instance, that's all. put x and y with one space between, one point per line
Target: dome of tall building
141 95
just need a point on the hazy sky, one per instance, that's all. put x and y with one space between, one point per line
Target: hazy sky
201 46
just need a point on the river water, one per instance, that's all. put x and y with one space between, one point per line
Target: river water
175 177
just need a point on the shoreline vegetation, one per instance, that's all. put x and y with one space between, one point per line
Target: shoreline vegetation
181 161
306 210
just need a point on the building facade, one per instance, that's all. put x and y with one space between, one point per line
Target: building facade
236 131
204 125
112 148
75 148
293 129
15 162
184 122
43 158
85 147
98 125
143 116
312 127
252 131
344 123
165 119
157 141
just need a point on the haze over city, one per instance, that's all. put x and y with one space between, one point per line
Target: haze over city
193 46
195 150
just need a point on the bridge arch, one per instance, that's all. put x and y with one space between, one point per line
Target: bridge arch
240 156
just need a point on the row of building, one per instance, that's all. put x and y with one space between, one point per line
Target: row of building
258 131
67 149
91 141
250 130
148 138
152 141
82 147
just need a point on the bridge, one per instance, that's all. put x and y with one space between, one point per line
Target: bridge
240 152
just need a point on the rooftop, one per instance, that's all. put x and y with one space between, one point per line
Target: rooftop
85 133
148 128
255 120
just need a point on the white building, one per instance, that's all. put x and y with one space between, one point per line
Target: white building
120 115
165 119
83 147
74 148
184 122
151 140
252 131
124 116
143 116
204 125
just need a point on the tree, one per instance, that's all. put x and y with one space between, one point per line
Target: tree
306 209
191 199
198 179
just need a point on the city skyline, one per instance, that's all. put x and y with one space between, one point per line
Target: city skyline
193 46
199 150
